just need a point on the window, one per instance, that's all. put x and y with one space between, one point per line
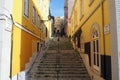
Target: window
76 42
44 29
26 8
82 43
95 47
75 18
46 32
81 9
39 22
38 46
34 15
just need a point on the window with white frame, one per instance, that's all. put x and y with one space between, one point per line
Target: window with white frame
38 21
95 47
95 39
33 15
26 8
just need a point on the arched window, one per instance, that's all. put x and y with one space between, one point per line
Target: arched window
95 46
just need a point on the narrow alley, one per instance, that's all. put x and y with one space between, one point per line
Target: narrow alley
60 62
59 39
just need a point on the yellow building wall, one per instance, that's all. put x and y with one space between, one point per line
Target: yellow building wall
95 18
106 23
91 16
16 50
96 12
17 11
28 47
25 44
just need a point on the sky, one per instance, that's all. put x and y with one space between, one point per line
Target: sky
57 8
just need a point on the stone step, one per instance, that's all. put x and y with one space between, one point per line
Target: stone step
63 76
74 71
41 66
62 58
62 55
61 52
54 65
65 62
62 73
61 64
61 69
43 78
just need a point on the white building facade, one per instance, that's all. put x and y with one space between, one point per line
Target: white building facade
5 38
68 6
115 37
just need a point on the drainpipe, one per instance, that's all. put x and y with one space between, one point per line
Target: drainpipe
11 48
103 37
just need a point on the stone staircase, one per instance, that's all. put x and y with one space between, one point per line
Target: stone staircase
60 62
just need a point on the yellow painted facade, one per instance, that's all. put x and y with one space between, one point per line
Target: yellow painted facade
26 35
90 16
87 17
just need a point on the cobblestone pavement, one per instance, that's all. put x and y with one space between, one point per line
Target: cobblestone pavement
61 62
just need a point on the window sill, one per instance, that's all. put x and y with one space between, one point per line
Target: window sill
81 17
91 2
34 24
26 17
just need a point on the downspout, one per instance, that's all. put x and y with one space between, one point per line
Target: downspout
11 58
102 7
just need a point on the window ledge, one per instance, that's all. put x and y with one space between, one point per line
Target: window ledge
91 2
25 16
81 17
